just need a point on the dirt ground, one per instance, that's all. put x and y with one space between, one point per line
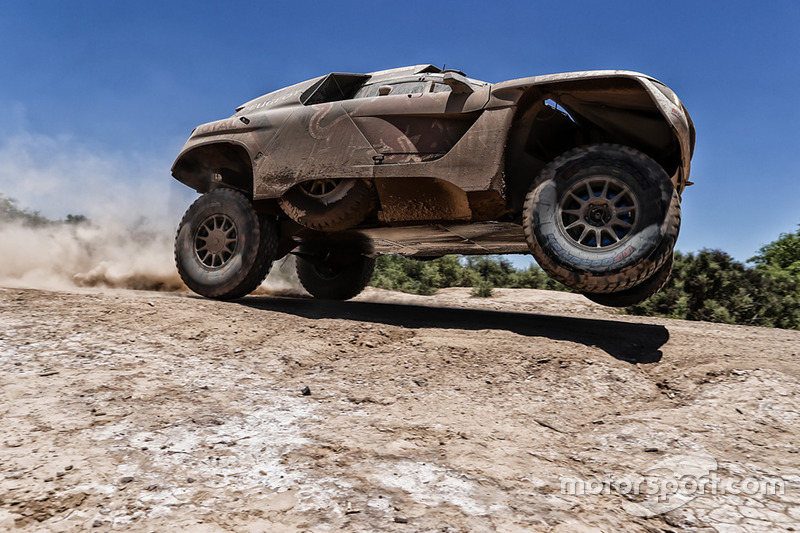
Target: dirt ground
145 411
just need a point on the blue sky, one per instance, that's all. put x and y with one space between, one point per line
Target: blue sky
97 98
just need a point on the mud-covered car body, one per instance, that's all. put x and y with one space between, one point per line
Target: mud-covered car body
451 159
438 153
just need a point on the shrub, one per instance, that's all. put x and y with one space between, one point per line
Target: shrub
483 289
712 286
399 273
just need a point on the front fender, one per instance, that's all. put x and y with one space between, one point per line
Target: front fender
223 148
206 163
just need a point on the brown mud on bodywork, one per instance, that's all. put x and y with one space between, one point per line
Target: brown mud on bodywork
437 149
334 127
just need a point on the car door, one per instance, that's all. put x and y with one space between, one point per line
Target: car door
316 139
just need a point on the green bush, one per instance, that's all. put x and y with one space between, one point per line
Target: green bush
711 286
483 289
783 253
399 273
10 212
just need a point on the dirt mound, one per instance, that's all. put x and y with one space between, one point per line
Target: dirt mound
529 411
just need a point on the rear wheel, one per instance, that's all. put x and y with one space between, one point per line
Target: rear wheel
333 276
638 293
601 218
223 248
329 204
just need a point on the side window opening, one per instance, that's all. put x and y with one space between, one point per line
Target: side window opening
332 88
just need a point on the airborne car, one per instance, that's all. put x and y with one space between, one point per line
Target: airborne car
583 170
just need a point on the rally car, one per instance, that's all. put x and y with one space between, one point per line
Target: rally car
583 170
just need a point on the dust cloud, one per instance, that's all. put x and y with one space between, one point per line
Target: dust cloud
132 205
282 280
108 254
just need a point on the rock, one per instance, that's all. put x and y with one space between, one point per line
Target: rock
126 479
401 519
306 391
97 523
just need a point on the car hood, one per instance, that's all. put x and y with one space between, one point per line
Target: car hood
282 97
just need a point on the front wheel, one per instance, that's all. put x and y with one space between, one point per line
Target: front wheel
224 249
333 276
601 218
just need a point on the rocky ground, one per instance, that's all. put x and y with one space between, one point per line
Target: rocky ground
144 411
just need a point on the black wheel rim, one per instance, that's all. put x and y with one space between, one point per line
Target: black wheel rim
215 241
320 188
598 212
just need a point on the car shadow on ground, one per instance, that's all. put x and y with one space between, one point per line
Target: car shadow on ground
635 343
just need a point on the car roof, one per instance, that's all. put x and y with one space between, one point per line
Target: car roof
407 73
402 72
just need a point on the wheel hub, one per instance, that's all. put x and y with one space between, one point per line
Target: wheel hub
215 241
598 212
598 215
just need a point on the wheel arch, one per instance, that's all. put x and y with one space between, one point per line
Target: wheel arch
552 118
211 165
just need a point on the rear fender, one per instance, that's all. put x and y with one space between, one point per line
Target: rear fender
593 107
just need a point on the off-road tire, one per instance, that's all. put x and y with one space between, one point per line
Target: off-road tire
640 187
344 207
233 268
340 278
638 293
